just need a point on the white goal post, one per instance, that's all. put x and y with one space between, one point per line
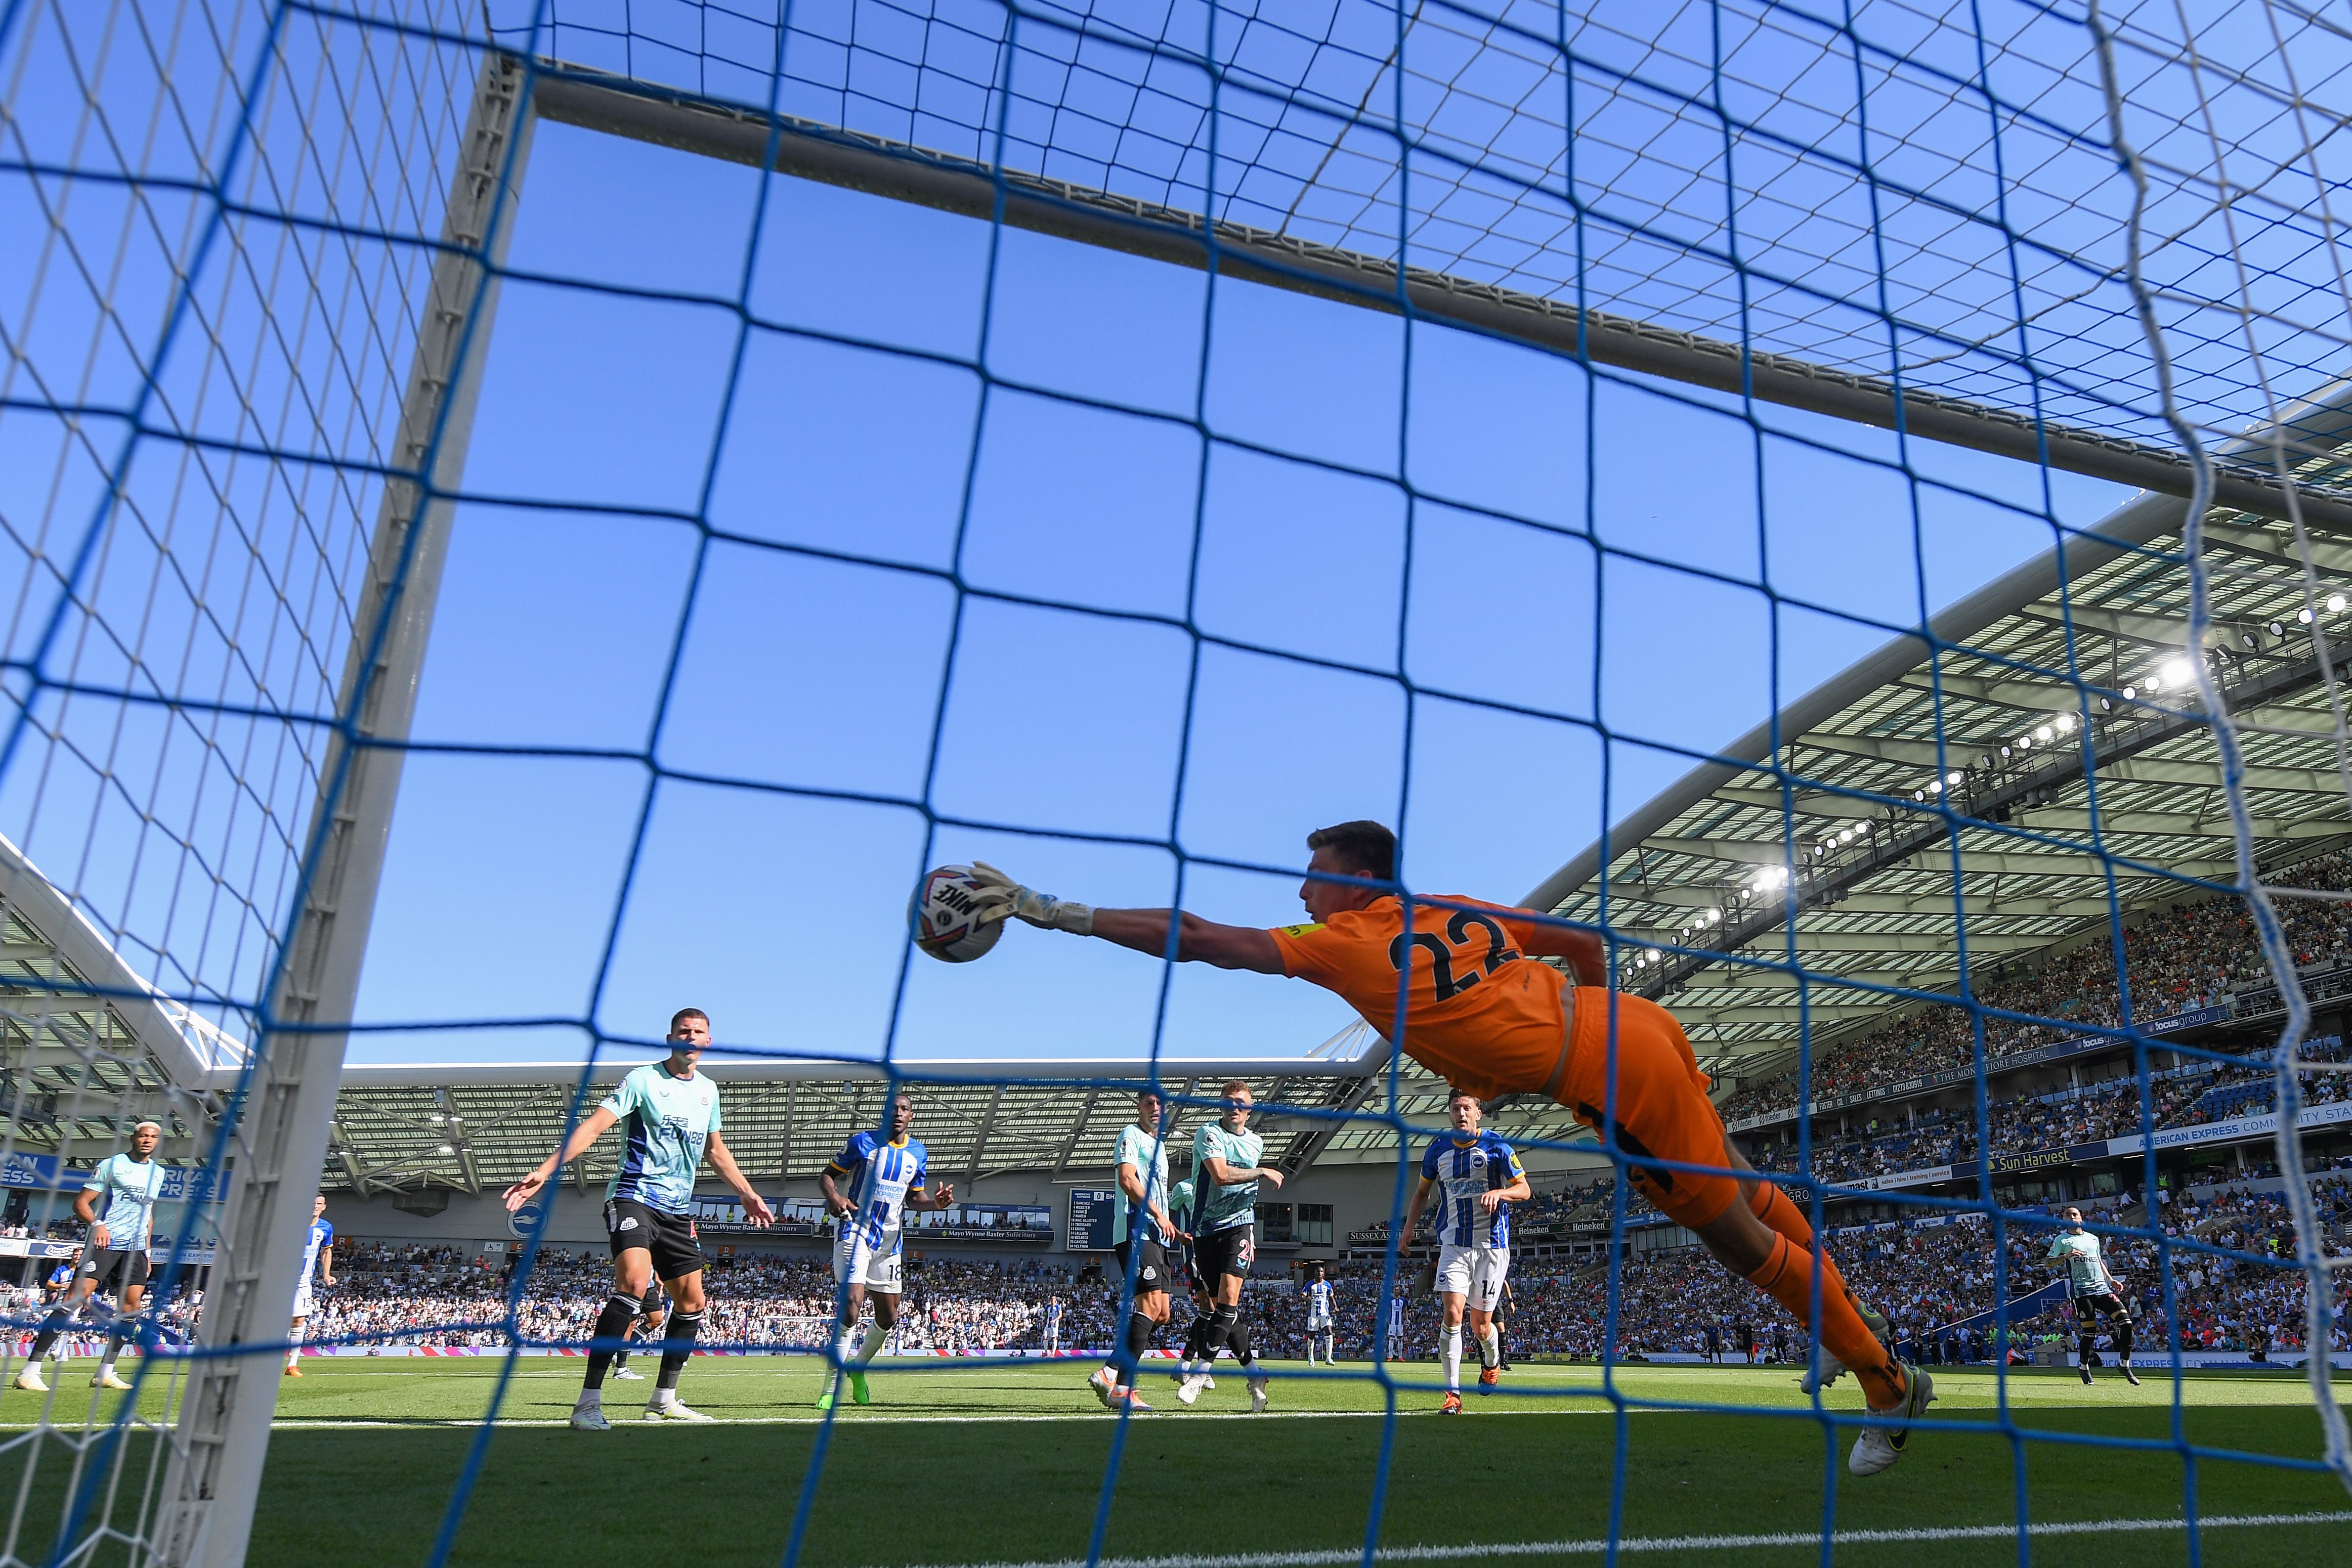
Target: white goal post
277 1136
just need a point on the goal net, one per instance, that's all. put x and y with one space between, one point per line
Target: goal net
1862 490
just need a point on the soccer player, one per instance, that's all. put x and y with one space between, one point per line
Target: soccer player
1187 1264
1225 1177
1480 1011
1053 1325
1396 1324
886 1178
114 1258
672 1116
319 1262
651 1310
1474 1175
1320 1321
1501 1317
1141 1227
2096 1292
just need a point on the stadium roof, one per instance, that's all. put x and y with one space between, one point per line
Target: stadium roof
472 1129
1857 838
88 1048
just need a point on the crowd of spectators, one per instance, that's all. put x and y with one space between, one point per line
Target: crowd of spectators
2192 1095
1924 1275
389 1295
1928 1275
2178 959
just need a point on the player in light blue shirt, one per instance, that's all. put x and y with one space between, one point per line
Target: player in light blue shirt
1226 1178
1143 1236
318 1262
1475 1176
886 1178
114 1258
670 1116
2092 1284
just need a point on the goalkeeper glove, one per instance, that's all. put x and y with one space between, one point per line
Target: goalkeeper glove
996 895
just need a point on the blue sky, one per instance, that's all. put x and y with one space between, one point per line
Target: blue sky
780 912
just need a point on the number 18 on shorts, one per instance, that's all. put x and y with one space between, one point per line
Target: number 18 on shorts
859 1261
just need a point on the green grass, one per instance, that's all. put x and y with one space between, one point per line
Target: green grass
991 1464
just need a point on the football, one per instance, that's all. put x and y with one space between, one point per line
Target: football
940 916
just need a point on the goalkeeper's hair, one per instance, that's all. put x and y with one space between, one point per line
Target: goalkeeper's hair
1365 849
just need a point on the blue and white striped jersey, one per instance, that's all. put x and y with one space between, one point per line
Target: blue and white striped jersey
1462 1170
320 1236
128 1209
1318 1299
885 1172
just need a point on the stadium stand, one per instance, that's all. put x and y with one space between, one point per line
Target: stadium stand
2179 960
1925 1274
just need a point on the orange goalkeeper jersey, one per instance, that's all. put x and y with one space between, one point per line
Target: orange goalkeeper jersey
1477 1009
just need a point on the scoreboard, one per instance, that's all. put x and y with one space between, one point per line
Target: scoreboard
1092 1211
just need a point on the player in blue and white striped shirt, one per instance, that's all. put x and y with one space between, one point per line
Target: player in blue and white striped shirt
1320 1323
1477 1176
317 1261
886 1176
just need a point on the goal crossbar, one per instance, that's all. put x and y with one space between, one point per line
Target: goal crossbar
829 154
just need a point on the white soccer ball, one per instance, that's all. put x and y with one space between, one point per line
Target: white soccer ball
940 915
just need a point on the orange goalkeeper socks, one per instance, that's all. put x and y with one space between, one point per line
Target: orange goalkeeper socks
1774 1208
1786 1276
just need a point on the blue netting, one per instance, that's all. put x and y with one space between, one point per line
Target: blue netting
2116 232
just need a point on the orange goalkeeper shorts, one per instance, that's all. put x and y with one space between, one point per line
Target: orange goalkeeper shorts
1662 1110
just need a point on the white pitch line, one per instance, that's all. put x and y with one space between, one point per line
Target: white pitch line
301 1424
1593 1548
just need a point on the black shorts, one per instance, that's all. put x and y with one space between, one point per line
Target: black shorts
1222 1252
2105 1302
670 1238
109 1269
1152 1271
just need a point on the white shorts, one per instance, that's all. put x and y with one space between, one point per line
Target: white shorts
303 1306
1318 1322
1473 1271
857 1262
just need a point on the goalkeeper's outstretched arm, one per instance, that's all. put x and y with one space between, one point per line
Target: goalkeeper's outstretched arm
1198 941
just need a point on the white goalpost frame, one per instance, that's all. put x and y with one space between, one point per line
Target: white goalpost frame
279 1139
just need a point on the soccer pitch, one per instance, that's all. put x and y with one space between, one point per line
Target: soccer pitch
1006 1465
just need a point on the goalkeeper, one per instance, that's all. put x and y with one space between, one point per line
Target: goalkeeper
1481 1012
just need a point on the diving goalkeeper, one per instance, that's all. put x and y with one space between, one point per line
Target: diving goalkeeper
1481 1012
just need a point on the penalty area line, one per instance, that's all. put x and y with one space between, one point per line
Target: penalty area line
1599 1546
